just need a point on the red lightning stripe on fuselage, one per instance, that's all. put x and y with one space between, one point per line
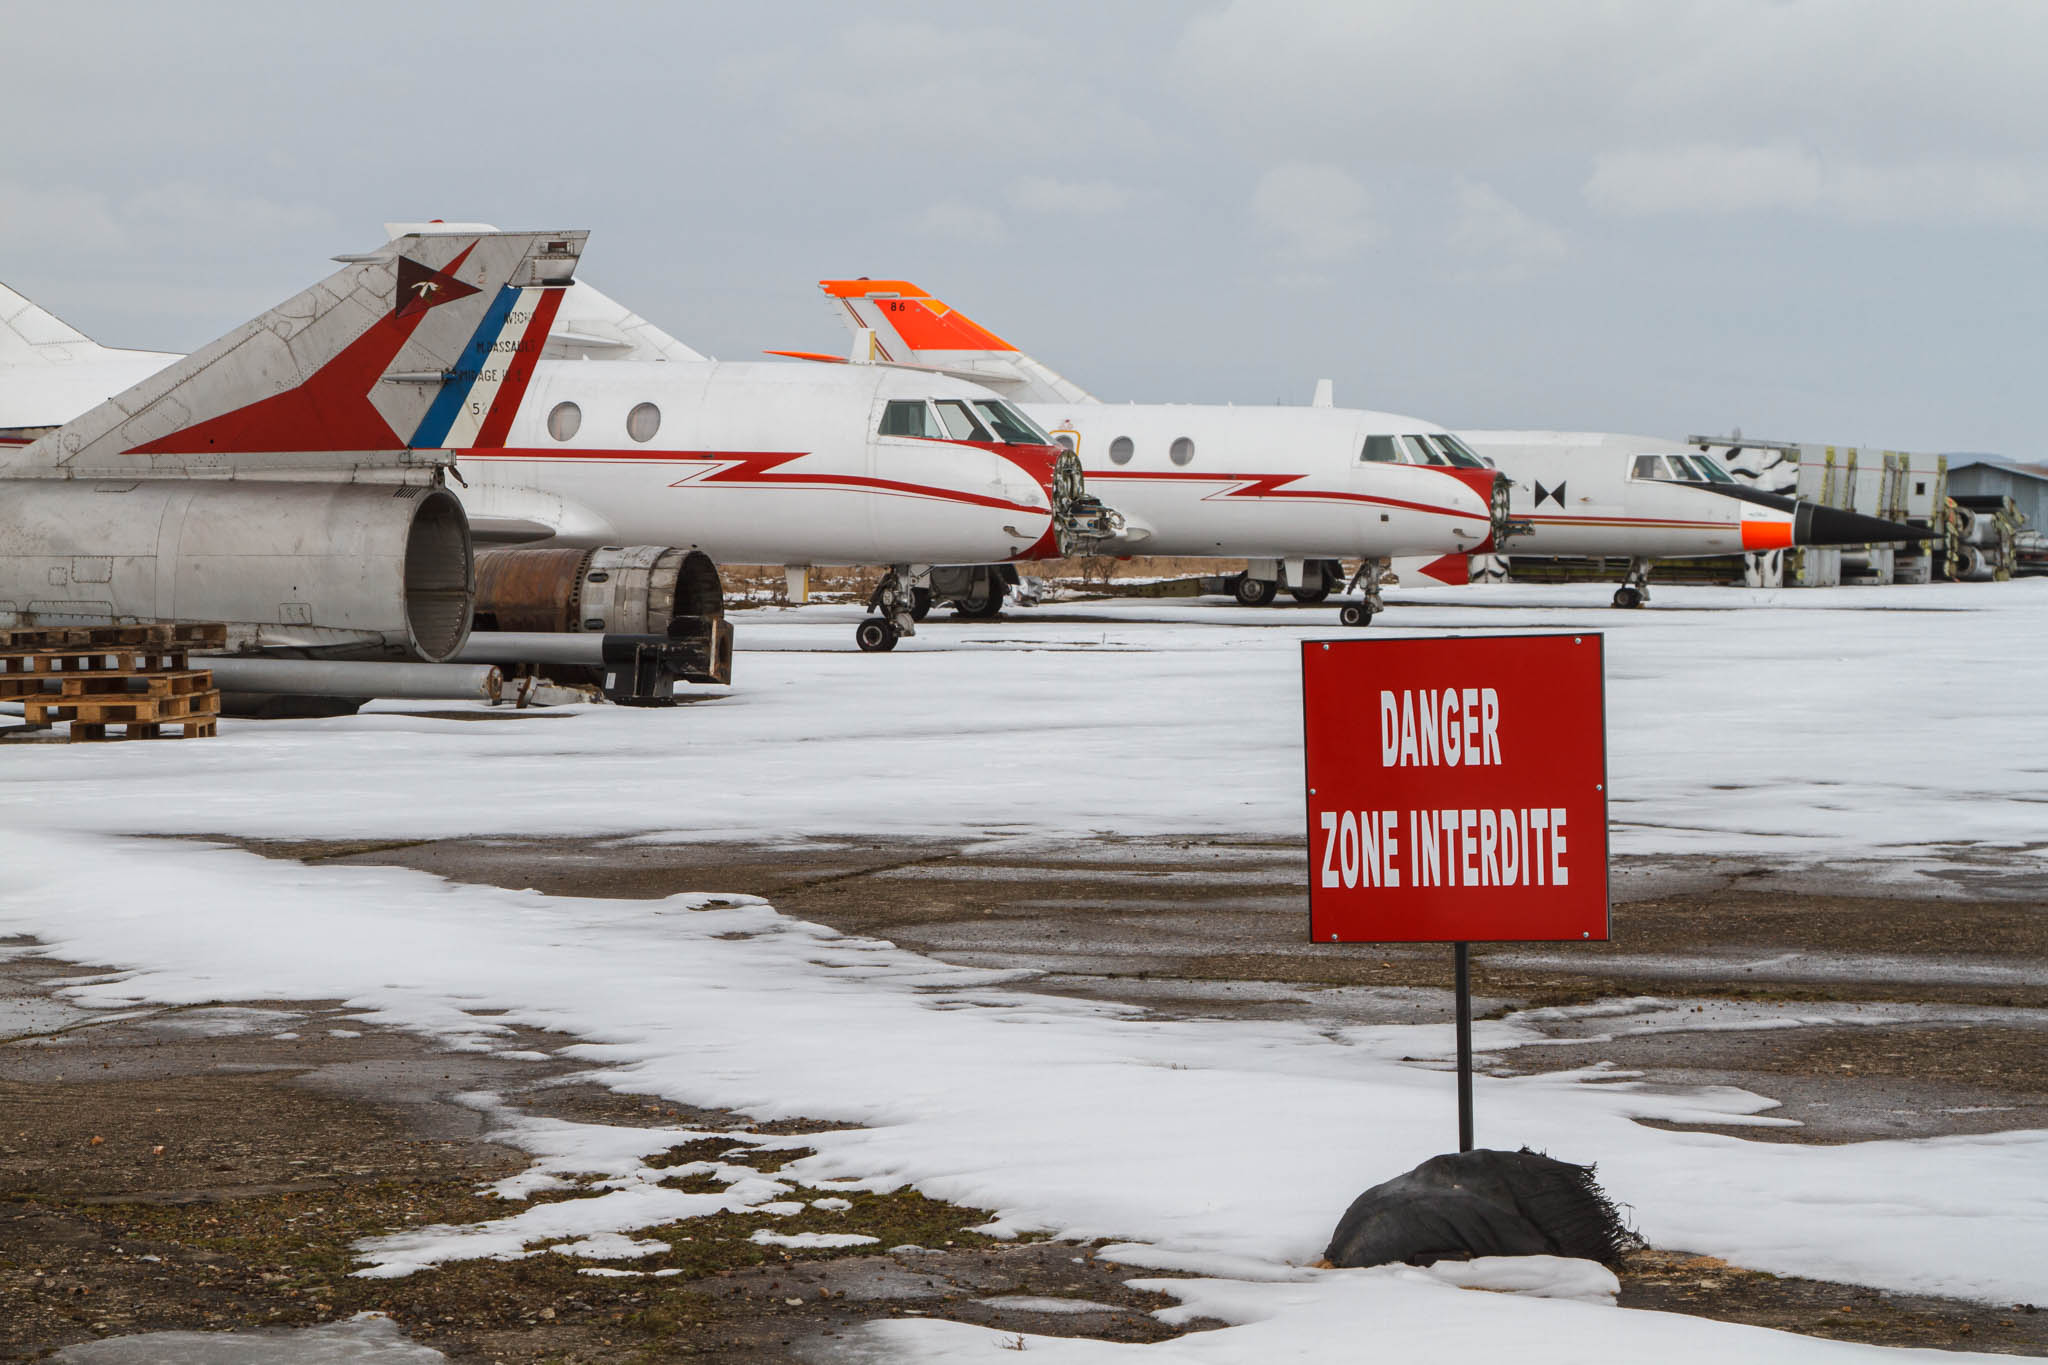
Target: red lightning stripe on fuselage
1273 486
756 469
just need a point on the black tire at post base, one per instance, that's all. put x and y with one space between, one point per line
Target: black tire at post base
1461 960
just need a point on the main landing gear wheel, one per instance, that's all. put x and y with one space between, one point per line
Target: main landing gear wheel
1627 597
875 636
920 603
988 608
1255 592
1309 595
1355 614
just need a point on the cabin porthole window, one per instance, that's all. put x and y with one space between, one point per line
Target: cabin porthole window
1181 451
564 421
643 421
1120 450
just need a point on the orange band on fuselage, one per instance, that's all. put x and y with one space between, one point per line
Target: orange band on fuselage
1766 535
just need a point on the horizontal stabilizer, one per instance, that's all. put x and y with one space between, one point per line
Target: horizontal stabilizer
994 381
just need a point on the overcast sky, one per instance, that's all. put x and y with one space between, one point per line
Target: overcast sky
1813 219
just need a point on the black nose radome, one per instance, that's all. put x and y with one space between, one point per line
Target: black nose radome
1817 525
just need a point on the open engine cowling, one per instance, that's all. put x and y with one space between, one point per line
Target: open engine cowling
613 589
335 570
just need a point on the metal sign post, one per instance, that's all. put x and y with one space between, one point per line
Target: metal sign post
1457 792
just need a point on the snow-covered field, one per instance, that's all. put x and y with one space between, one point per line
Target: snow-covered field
1895 726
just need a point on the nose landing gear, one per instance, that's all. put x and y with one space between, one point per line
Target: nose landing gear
896 604
1635 589
1360 613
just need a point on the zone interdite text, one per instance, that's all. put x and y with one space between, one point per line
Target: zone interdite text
1457 847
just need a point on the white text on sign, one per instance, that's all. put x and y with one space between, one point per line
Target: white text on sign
1511 846
1425 728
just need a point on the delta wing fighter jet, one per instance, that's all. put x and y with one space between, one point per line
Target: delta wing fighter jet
756 463
1291 489
1600 493
263 481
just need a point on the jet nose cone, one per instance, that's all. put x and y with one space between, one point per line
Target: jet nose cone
1817 525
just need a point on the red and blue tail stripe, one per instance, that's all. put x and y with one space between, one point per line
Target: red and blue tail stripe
478 401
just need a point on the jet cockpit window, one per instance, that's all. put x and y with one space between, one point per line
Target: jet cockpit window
909 417
1457 452
1711 467
1379 450
1647 467
1011 425
961 424
1420 451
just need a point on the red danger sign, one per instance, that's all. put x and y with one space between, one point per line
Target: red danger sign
1457 788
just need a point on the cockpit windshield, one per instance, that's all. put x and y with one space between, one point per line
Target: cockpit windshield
1437 448
1679 468
960 423
1711 468
1011 426
1415 450
959 419
1458 452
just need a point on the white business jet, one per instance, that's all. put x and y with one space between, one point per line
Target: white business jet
578 423
1292 490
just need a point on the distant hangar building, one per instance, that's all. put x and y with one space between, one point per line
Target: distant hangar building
1992 475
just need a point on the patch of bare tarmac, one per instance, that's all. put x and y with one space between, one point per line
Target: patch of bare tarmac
1182 927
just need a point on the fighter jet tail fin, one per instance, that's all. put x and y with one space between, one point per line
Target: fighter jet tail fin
418 348
589 325
909 327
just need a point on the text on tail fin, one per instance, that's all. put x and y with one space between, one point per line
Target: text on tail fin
921 321
395 349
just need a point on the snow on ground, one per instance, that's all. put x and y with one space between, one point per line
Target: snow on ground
1203 1138
1807 724
1392 1313
1810 725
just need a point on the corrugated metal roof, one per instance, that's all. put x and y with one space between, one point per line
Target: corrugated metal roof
2030 471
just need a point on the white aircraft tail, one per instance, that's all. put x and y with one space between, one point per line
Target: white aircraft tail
913 329
422 346
34 336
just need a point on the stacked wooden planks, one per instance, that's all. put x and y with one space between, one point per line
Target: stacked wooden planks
137 678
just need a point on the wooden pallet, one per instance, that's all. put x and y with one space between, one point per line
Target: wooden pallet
112 682
194 728
175 682
122 708
160 635
104 659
